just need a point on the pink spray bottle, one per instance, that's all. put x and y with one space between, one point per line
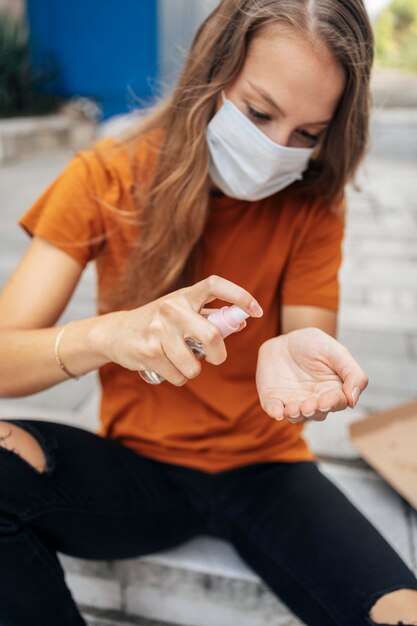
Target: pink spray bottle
227 319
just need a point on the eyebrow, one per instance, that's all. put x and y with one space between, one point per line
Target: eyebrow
265 95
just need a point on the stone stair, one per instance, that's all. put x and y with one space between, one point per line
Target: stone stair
105 620
25 136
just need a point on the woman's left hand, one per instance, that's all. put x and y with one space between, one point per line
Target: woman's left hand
306 374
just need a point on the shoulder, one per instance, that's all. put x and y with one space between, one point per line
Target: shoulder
307 212
306 204
116 165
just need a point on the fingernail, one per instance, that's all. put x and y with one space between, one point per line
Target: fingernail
307 414
298 415
355 395
255 309
326 410
276 412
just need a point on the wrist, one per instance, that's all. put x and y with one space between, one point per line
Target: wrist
58 359
77 348
101 335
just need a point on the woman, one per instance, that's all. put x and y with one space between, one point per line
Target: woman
231 190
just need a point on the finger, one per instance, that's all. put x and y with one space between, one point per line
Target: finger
317 409
353 377
297 420
308 410
316 416
354 386
274 408
206 312
309 407
332 401
162 366
179 358
292 410
209 336
215 287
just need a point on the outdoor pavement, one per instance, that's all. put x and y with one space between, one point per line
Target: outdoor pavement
378 315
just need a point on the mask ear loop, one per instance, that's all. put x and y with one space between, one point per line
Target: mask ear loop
223 95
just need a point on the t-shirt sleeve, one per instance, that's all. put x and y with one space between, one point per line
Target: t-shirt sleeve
311 275
68 214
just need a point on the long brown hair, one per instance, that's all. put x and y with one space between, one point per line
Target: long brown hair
172 207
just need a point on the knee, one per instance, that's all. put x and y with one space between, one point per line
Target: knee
397 608
17 440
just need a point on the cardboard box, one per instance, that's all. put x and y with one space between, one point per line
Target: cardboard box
387 440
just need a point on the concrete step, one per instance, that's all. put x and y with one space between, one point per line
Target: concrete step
200 583
204 582
103 620
25 136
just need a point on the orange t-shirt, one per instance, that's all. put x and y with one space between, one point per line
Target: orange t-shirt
280 250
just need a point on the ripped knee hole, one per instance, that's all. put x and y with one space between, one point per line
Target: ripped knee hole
17 440
398 608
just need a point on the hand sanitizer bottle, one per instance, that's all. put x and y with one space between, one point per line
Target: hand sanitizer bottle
227 319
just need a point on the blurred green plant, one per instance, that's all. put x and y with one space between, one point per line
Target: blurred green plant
19 83
396 35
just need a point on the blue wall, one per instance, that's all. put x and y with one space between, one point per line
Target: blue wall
97 48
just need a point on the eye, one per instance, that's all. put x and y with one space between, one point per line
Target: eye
308 136
257 115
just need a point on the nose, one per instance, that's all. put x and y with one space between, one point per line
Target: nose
281 134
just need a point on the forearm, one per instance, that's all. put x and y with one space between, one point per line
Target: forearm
27 357
296 317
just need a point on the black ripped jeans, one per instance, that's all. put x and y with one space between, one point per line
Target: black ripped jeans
100 500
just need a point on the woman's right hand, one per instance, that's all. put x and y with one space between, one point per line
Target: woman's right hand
152 336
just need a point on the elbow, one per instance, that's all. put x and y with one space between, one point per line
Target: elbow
14 385
8 391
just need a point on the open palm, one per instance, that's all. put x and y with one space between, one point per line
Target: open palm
306 374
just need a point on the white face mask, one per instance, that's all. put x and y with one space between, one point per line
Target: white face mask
245 163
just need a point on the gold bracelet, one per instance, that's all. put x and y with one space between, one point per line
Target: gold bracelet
58 358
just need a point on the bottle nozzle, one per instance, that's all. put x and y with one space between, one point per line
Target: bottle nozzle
239 314
228 319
